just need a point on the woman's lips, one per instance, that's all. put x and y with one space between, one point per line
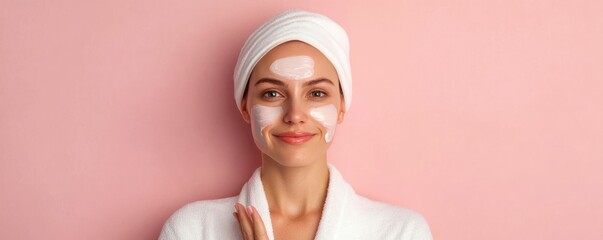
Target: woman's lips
295 137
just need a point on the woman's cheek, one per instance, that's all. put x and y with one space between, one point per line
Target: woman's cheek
327 116
261 117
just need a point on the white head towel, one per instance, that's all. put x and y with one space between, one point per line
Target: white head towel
317 30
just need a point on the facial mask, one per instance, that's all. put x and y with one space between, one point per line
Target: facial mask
296 67
327 116
263 116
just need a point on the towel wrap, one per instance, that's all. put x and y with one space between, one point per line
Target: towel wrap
314 29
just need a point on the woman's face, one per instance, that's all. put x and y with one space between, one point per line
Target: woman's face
293 104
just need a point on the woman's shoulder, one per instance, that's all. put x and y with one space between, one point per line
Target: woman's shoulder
193 219
394 212
206 207
392 220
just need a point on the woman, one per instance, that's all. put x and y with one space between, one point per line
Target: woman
293 85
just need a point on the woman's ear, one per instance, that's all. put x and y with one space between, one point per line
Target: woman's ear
244 111
341 113
340 116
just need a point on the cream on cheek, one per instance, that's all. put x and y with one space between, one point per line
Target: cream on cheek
327 116
295 67
263 116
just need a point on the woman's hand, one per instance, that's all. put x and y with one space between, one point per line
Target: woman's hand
252 226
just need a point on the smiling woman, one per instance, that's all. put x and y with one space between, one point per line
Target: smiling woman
293 85
294 104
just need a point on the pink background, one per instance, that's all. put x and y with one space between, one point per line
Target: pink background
484 116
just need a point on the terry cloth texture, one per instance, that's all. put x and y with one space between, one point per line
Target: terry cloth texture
345 216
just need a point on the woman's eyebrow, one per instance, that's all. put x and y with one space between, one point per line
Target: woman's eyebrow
317 81
281 83
270 80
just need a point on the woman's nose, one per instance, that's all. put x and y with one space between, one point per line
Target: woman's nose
295 113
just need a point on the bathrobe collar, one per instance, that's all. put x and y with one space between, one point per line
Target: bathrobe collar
338 193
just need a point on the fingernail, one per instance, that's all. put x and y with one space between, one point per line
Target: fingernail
250 210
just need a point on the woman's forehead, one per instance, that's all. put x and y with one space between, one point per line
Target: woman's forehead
292 48
322 66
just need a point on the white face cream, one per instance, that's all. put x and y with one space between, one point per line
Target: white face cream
295 67
263 116
327 116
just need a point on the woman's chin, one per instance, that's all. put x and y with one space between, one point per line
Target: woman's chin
294 154
295 160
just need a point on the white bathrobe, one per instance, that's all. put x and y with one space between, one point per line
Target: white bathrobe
345 215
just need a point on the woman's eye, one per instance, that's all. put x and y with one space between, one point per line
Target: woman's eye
271 94
318 94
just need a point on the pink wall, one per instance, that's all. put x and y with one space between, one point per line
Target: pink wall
485 116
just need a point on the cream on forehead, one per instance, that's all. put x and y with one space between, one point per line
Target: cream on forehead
263 116
295 67
327 116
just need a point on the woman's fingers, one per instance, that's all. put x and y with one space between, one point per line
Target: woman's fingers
250 222
244 222
259 230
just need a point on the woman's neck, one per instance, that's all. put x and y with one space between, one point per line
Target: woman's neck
295 191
